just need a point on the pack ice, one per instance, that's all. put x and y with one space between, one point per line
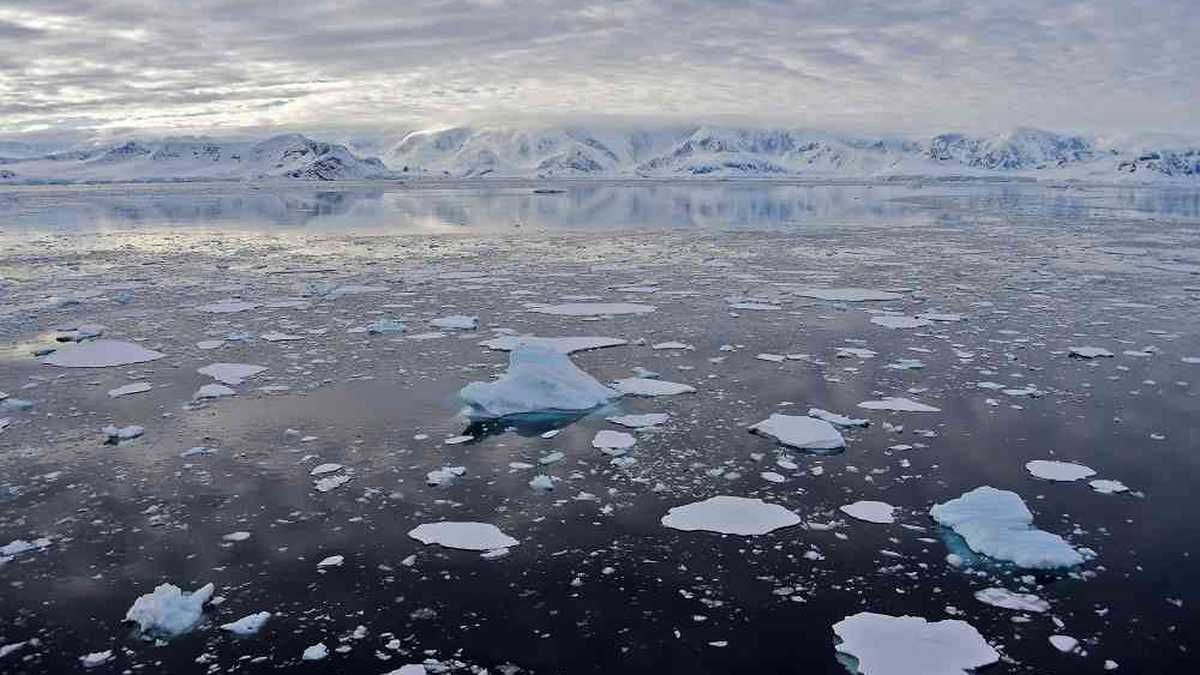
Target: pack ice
539 379
806 433
997 524
644 386
730 515
169 611
101 354
466 536
910 645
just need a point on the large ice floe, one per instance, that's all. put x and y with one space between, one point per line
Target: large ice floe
806 433
101 354
730 515
871 512
997 524
566 345
466 536
231 373
1058 471
644 386
847 294
880 644
169 611
593 308
540 379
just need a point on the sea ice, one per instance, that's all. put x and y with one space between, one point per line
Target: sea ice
997 524
836 419
96 658
894 321
910 645
276 336
315 652
639 421
613 440
1006 599
114 434
643 386
594 308
539 379
1058 471
386 326
847 294
1108 487
101 354
231 374
331 561
898 404
330 483
466 536
444 475
247 625
18 546
940 316
1064 643
126 390
228 306
566 345
1090 352
872 512
212 391
456 322
168 611
730 515
322 469
807 433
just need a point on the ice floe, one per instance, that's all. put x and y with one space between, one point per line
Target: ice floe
806 433
1064 643
593 308
540 379
101 354
836 419
114 434
566 345
169 611
467 536
1108 487
210 391
1058 471
1090 352
1006 599
639 421
870 511
96 658
314 652
898 404
643 386
247 625
613 440
126 390
997 524
895 321
847 294
231 374
909 645
456 322
730 515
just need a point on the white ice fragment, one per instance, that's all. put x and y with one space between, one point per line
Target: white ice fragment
836 419
315 652
228 306
872 512
541 482
593 308
1006 599
566 345
276 336
210 391
240 535
466 536
730 515
330 483
101 354
672 345
386 326
847 294
639 421
898 404
806 433
613 440
247 625
126 390
858 352
231 374
169 611
1058 471
910 645
96 658
409 669
18 546
540 379
115 434
1108 487
1064 643
456 322
940 316
997 524
895 321
322 469
642 386
1090 352
331 561
444 475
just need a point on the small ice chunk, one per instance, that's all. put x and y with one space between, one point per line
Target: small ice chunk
467 536
1108 487
169 611
331 561
247 625
943 317
1006 599
872 512
456 322
857 352
126 390
898 404
115 434
672 345
1058 471
836 419
18 546
541 482
997 524
730 515
210 391
847 294
1090 352
613 440
895 321
322 469
806 433
330 483
540 379
910 645
1064 643
231 374
593 308
96 658
315 652
240 535
101 354
386 326
642 386
639 421
444 475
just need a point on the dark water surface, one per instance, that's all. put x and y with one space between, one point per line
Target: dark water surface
596 584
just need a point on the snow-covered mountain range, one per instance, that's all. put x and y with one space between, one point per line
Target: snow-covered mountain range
649 152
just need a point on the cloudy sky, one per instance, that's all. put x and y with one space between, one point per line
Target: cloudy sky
899 65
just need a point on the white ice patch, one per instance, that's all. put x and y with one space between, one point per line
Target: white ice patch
997 524
643 386
539 379
96 658
247 625
168 611
836 419
566 345
898 404
445 475
895 321
940 317
730 515
910 645
1090 352
126 390
115 434
322 469
806 433
456 322
639 421
210 391
1108 487
101 354
871 512
1006 599
18 546
593 308
613 440
1058 471
232 374
465 536
1064 643
315 652
847 294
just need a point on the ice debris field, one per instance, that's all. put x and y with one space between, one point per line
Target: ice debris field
929 450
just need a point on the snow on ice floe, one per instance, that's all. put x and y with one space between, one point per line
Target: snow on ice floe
566 345
896 321
613 440
997 524
314 652
128 389
101 354
644 386
466 536
1006 599
593 308
836 419
730 515
871 512
1108 487
909 645
169 611
898 404
232 374
456 322
1090 352
1058 471
806 433
639 421
540 379
247 625
847 294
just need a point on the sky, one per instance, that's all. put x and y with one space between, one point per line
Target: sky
84 67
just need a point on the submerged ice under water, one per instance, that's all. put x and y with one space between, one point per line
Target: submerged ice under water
352 518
